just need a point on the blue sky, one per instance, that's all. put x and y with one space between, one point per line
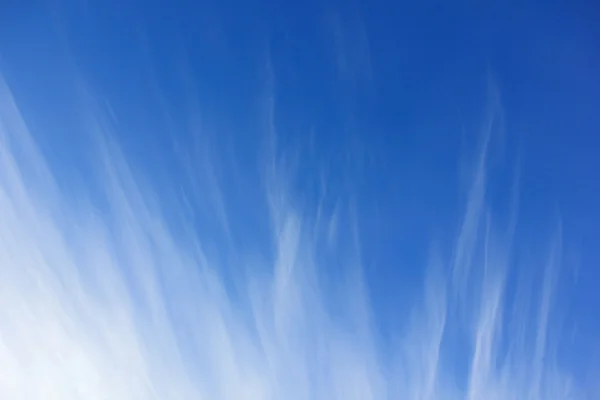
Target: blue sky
327 199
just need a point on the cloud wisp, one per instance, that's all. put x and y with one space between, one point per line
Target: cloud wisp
110 303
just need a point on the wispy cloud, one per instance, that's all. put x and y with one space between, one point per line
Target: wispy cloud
113 304
351 49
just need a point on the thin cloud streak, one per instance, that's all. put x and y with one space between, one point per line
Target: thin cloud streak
112 304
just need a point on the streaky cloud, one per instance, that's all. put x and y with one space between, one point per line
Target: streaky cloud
112 303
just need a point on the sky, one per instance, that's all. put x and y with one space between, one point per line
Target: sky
299 200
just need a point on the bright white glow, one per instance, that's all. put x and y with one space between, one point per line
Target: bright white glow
113 304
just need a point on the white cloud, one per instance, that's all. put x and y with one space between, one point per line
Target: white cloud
113 304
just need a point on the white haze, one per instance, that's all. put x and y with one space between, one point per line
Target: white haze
115 304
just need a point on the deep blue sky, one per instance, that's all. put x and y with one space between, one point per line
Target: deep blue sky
395 92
